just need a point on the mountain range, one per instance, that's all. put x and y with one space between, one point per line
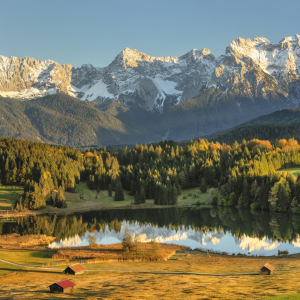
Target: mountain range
166 97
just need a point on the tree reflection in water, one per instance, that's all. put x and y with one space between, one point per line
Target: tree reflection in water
251 230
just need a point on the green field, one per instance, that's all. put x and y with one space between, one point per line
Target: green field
9 195
188 194
293 171
73 199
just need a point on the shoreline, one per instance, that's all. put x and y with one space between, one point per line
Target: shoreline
93 207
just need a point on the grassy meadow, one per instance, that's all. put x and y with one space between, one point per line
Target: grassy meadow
118 285
74 200
9 195
293 171
92 200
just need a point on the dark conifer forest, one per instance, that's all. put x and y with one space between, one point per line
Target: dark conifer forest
245 175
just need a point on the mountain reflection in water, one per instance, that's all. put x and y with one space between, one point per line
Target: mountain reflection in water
218 229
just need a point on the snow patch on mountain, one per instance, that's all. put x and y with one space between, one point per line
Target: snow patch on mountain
255 67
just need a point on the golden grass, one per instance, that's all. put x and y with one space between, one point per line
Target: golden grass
25 241
114 253
25 284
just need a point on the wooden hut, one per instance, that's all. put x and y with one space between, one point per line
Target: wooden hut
267 269
64 286
74 269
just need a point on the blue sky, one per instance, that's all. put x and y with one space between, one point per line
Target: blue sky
89 31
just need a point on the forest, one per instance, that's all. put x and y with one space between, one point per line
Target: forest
244 175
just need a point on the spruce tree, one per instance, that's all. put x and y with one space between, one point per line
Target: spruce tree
119 194
203 185
127 243
142 195
60 200
136 198
109 190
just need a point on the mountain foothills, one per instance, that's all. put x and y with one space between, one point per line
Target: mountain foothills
282 124
241 175
173 97
63 119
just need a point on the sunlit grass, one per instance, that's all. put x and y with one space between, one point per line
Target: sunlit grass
293 171
25 284
189 199
89 196
9 195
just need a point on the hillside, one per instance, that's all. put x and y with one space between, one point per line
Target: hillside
176 98
62 119
282 124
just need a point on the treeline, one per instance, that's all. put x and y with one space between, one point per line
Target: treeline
271 132
41 169
244 173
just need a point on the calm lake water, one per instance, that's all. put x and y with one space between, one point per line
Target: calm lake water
218 229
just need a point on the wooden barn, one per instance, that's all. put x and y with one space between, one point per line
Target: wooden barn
267 269
64 286
74 269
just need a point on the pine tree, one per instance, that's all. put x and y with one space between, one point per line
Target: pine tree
203 185
119 194
109 190
127 243
60 200
136 198
142 195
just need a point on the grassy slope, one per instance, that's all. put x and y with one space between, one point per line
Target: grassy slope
153 286
9 195
293 171
74 200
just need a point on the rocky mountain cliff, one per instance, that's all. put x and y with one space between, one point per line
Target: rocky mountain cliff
252 67
197 93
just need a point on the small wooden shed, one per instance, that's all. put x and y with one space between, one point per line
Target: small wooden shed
64 286
74 269
267 269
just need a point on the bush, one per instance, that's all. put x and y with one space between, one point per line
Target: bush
184 197
127 243
92 241
155 246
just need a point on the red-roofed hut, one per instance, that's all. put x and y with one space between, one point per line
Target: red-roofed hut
267 269
64 286
74 269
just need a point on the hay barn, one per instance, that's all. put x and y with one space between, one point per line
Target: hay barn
267 269
74 269
64 286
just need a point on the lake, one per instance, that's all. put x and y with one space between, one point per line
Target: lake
217 229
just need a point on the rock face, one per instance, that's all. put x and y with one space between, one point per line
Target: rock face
256 69
29 78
